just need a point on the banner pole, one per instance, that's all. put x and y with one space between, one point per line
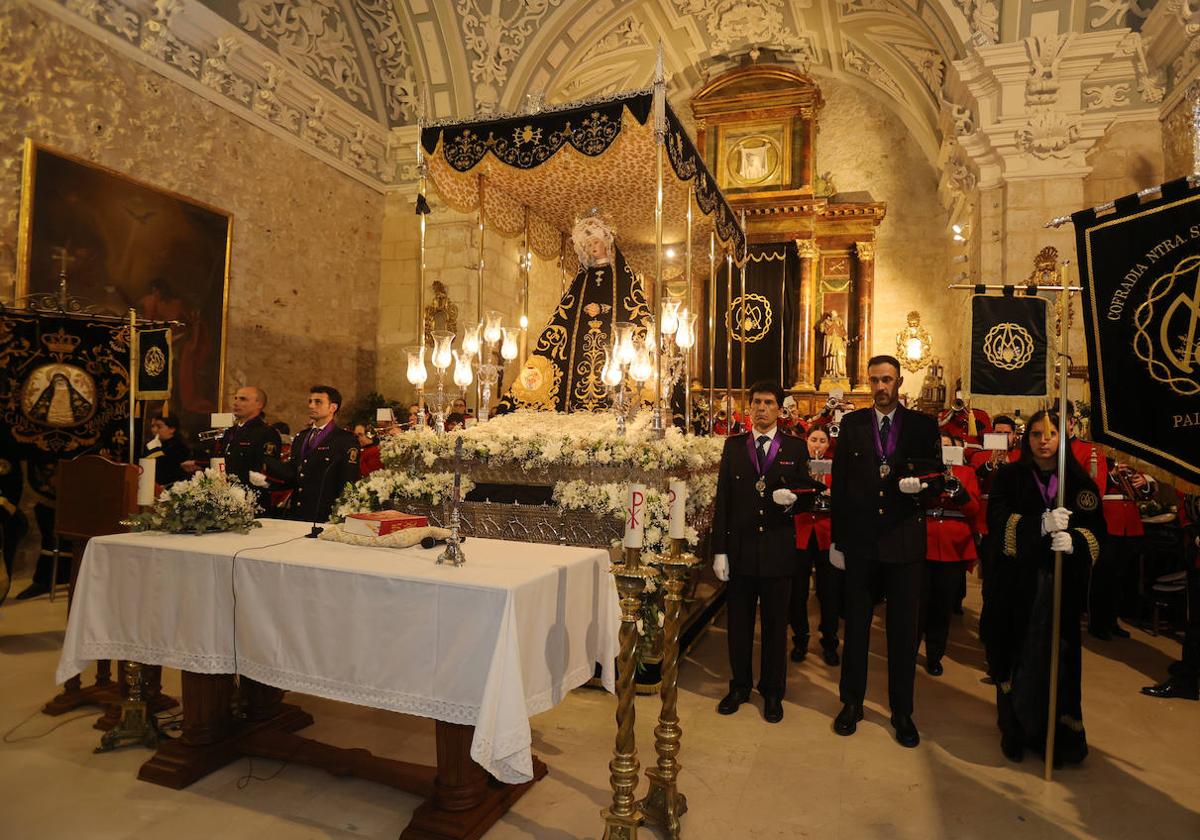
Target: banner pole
133 383
1064 362
742 319
729 341
688 352
712 327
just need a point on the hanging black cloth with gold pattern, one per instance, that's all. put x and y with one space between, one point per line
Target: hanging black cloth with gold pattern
563 372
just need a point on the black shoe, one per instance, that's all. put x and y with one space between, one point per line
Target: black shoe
799 654
1012 748
731 701
847 720
772 710
32 591
1102 635
934 667
1179 687
906 731
830 655
1119 631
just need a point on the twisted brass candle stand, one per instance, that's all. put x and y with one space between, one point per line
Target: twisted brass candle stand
136 725
622 818
664 804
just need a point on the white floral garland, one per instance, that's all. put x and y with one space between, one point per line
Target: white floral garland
536 440
210 500
385 485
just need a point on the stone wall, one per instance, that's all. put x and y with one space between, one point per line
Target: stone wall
866 146
305 255
1177 137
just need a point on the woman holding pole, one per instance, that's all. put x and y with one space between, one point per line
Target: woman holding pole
1028 528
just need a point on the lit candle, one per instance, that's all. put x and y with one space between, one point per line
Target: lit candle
635 515
678 521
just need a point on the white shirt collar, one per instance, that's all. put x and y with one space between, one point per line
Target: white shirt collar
879 415
320 428
770 433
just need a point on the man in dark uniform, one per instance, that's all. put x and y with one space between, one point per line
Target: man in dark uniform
40 472
754 546
879 527
324 460
248 443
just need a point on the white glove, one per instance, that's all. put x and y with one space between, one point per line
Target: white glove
721 566
1055 520
258 479
836 558
154 443
912 485
784 497
1061 541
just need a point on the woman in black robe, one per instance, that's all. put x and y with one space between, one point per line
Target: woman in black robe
1027 529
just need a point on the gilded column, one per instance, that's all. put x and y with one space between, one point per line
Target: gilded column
864 292
805 358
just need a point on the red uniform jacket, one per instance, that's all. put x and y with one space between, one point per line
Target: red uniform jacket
814 522
368 460
957 423
950 527
1121 515
984 478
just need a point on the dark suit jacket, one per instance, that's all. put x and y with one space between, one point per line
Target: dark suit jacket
870 514
319 476
758 535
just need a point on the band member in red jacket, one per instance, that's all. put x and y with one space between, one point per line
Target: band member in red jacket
812 545
1115 573
950 549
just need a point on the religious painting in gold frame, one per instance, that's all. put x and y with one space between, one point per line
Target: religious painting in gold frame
754 155
127 244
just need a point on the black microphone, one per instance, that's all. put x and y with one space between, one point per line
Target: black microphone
432 542
316 529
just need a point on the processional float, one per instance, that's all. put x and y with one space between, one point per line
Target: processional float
535 175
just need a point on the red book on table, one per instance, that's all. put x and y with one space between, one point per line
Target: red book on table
381 523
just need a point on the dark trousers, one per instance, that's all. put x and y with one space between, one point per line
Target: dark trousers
830 595
1191 636
1114 578
770 596
940 585
900 583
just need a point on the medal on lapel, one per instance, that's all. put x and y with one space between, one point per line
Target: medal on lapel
761 485
761 468
885 470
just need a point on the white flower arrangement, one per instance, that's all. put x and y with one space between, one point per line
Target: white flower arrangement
609 499
384 486
210 500
535 440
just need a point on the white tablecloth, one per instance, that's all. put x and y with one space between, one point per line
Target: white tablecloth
488 644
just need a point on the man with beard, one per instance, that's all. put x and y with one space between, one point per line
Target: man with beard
879 526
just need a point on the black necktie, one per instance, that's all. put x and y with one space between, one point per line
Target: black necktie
763 440
884 428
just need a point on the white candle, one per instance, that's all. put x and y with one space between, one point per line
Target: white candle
217 464
146 481
222 421
635 515
678 520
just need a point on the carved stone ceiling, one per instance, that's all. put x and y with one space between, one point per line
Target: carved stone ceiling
340 75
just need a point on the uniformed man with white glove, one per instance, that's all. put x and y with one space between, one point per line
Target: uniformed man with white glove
754 545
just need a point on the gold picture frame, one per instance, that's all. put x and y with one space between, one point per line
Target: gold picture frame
754 155
127 244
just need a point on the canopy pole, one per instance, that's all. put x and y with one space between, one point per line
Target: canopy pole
479 406
526 258
134 369
712 327
660 138
422 205
562 264
687 352
742 316
1064 362
729 340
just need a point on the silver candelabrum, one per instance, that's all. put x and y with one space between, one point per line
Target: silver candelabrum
453 555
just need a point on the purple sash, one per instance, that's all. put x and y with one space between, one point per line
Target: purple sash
314 439
772 451
1049 489
893 436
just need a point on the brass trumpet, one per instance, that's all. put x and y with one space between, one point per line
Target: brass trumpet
833 429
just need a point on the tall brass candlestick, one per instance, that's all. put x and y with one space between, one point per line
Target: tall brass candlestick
622 818
664 804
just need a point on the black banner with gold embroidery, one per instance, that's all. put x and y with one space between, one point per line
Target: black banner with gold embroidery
64 383
1140 271
1008 346
564 367
154 363
770 271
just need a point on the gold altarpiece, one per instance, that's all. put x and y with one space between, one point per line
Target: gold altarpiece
756 127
